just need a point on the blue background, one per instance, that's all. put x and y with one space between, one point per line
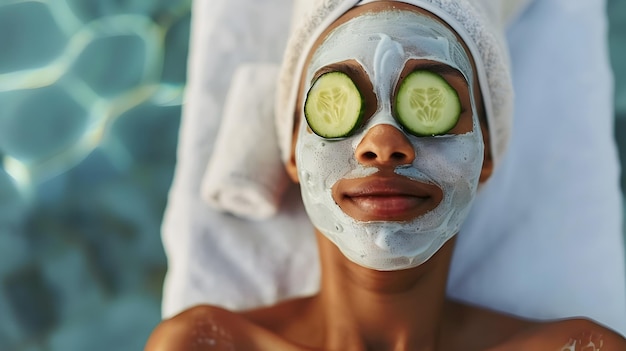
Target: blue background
90 102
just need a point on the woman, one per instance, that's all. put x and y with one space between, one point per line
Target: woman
398 121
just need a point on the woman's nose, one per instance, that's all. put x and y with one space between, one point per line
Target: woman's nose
385 145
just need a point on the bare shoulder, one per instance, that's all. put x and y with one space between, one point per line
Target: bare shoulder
197 328
577 334
212 328
478 328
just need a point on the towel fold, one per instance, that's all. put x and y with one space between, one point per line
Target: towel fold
245 175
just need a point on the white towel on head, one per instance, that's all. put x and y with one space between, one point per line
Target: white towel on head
245 175
513 255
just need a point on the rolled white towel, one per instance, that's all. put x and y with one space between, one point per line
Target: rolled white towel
245 175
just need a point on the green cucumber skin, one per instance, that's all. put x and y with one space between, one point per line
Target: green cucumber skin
439 98
316 123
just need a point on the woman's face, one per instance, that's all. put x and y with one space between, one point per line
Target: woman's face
387 198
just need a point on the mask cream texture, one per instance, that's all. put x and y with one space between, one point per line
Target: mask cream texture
382 42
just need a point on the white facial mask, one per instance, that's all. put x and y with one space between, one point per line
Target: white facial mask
382 42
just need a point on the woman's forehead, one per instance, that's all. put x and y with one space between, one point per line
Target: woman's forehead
416 33
374 7
381 7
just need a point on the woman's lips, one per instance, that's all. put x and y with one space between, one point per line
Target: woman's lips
386 198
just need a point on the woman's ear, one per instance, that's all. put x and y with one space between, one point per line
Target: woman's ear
292 169
290 166
487 169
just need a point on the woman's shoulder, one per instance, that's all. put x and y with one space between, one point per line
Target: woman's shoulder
575 334
497 331
196 328
207 327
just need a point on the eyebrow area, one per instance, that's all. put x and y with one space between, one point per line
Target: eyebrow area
350 67
448 72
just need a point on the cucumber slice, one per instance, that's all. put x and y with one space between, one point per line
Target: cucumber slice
334 105
426 105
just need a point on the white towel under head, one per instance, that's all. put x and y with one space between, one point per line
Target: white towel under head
246 176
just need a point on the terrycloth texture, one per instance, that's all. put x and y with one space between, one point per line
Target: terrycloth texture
245 175
482 31
543 239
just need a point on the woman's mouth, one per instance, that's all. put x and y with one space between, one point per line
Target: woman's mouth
386 198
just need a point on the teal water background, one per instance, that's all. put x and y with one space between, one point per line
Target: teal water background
90 102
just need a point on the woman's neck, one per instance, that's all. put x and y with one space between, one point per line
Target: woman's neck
364 309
